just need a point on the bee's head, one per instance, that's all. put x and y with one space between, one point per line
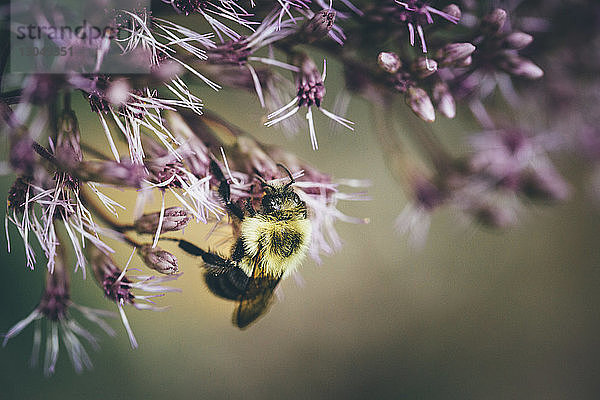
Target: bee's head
281 199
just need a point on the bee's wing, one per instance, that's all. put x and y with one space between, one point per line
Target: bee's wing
256 300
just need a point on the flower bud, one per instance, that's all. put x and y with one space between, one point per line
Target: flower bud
389 62
519 66
68 150
319 25
493 22
424 67
454 52
443 99
453 10
174 219
159 260
163 170
111 172
418 100
518 40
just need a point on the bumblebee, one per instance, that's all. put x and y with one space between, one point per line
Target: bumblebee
271 243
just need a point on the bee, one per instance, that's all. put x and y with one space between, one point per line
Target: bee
270 243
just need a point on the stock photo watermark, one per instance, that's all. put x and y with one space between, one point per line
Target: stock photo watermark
65 36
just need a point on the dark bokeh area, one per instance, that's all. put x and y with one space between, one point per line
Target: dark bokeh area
475 314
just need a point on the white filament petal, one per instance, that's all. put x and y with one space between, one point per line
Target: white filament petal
134 343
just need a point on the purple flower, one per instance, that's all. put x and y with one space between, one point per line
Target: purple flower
415 218
118 287
334 30
417 13
223 9
38 203
54 311
241 51
515 161
311 91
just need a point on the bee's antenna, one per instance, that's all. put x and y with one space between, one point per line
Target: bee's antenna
292 180
262 180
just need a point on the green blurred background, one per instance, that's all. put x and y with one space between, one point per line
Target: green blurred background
476 314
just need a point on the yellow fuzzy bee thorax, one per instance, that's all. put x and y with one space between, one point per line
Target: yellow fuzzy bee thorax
276 247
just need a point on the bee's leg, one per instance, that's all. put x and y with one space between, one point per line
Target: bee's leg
237 253
223 277
232 207
224 193
214 262
188 247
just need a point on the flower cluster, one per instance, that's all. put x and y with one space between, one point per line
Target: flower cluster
157 139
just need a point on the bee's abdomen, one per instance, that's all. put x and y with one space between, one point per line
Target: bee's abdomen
230 284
